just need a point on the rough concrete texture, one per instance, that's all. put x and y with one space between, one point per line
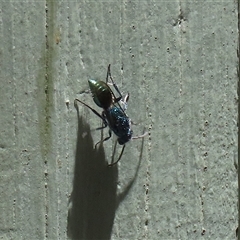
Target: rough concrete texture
178 60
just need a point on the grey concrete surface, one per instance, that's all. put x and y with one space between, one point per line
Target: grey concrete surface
178 60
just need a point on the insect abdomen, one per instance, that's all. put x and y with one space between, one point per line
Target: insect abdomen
101 93
119 124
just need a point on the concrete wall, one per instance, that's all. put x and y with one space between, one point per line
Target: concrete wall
178 60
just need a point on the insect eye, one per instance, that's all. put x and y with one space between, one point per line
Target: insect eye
121 141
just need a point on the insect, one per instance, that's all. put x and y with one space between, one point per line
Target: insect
113 114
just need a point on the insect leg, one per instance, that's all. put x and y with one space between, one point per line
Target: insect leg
104 126
114 85
124 102
100 116
112 164
105 139
94 111
110 134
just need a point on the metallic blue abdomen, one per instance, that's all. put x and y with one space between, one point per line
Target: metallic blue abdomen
119 123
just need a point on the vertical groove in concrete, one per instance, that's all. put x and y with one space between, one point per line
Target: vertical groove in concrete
238 154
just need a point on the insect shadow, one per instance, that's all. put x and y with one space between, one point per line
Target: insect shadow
94 199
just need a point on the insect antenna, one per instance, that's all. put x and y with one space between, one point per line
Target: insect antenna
140 136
